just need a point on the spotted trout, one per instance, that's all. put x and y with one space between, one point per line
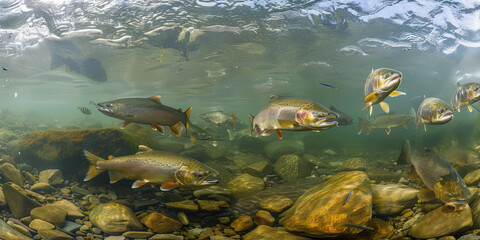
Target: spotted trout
149 166
147 111
386 121
433 111
293 114
381 83
437 174
465 95
219 117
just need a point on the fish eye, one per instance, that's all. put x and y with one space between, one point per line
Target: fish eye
109 105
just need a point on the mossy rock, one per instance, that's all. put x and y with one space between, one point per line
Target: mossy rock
63 149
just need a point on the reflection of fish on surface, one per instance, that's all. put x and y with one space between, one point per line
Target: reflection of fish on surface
381 83
465 95
149 166
149 111
67 53
219 117
294 114
85 110
175 37
433 111
437 174
386 121
343 119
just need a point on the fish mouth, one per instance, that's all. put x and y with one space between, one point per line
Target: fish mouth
326 125
393 83
207 183
104 109
446 117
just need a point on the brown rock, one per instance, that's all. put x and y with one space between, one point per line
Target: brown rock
356 163
242 223
275 203
11 173
114 218
19 203
245 185
209 205
71 209
53 215
43 187
290 167
265 232
160 223
137 234
472 177
54 235
263 217
381 230
53 177
185 205
39 224
391 199
323 212
259 169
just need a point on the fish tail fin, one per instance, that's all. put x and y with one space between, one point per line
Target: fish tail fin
231 135
187 112
234 120
251 117
361 125
405 155
92 170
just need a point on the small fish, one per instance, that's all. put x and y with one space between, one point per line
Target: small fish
326 85
386 121
294 114
348 197
5 69
465 95
406 49
380 84
359 226
343 119
247 132
436 173
85 110
219 117
149 111
149 166
433 111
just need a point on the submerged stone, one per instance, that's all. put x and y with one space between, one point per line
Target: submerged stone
245 185
265 232
53 215
43 187
11 173
242 223
392 198
53 177
114 218
275 203
209 205
263 217
356 163
19 203
7 232
381 230
54 235
276 149
185 205
71 209
160 223
324 211
290 167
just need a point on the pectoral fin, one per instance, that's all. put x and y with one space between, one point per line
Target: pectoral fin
158 128
396 93
470 108
405 126
175 128
424 118
370 97
413 173
425 127
287 124
114 177
388 130
280 134
217 124
385 107
169 186
139 183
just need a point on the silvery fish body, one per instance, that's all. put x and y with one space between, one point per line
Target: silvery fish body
465 95
219 117
381 83
386 121
434 111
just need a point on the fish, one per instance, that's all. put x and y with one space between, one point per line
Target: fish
293 114
343 119
65 52
348 196
433 111
197 133
465 95
381 83
219 117
170 170
386 121
149 111
326 85
5 68
437 175
85 110
246 132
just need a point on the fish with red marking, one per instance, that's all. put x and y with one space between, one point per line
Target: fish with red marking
465 95
293 114
155 167
433 111
149 111
380 84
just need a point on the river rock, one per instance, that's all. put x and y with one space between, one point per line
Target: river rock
356 163
265 232
114 218
472 177
11 173
53 177
381 230
442 221
322 211
392 198
53 215
185 205
64 148
263 217
213 190
7 232
19 203
160 223
275 203
54 235
242 223
259 169
290 167
209 205
71 209
137 234
276 149
475 205
245 185
166 237
39 224
43 187
242 160
3 201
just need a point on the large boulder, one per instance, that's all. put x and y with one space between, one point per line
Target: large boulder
19 200
442 221
290 167
265 232
114 218
392 198
324 211
245 185
64 148
11 173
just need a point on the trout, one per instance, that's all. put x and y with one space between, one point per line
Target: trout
381 83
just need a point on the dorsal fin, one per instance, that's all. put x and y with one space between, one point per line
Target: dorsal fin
156 99
143 148
274 97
